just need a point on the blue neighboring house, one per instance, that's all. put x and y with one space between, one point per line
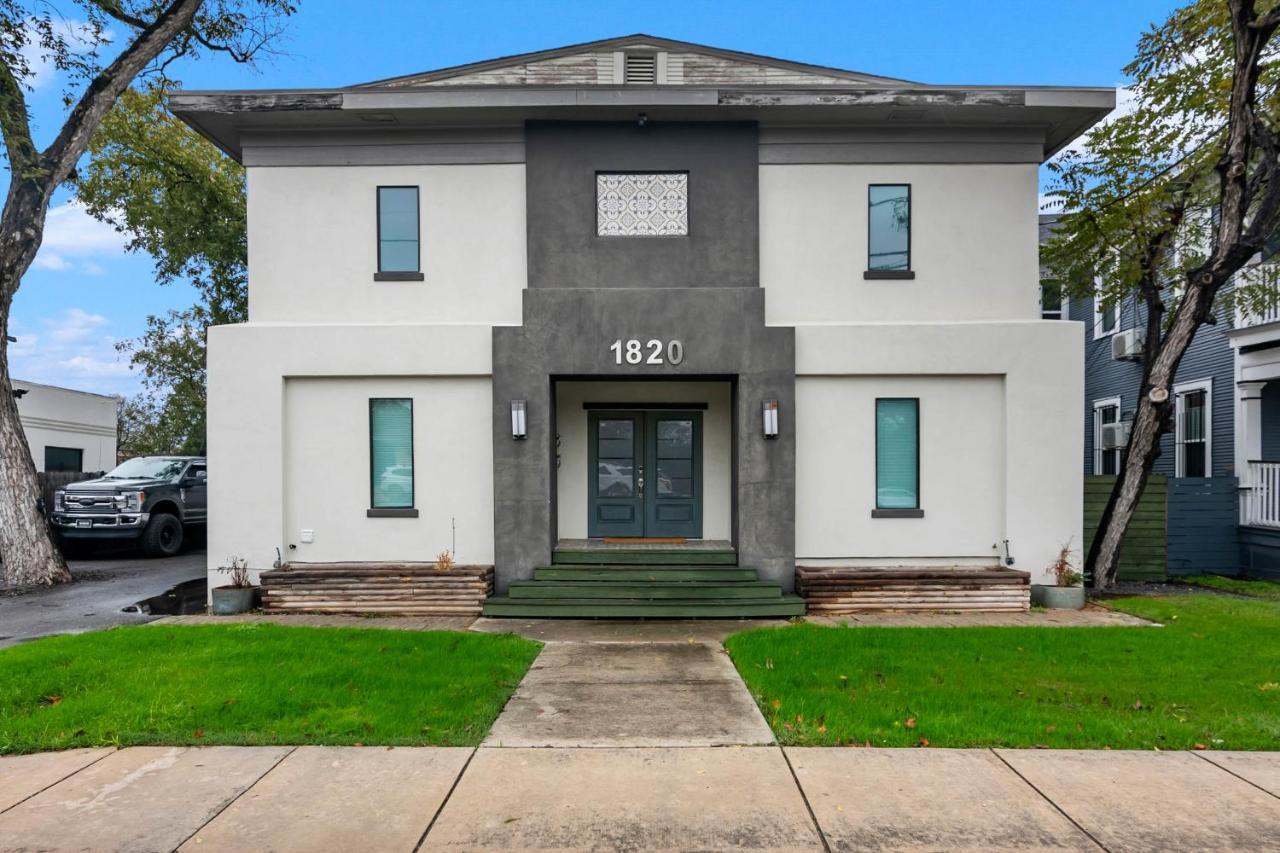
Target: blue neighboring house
1223 455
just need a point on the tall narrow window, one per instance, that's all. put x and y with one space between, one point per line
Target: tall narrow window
1053 303
1105 460
391 453
889 230
1192 429
898 454
398 251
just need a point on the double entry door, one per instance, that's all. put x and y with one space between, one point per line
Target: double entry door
646 474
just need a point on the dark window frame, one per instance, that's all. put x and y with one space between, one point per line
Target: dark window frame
909 272
400 275
409 511
896 512
688 206
79 469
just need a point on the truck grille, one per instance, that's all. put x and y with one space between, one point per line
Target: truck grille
88 503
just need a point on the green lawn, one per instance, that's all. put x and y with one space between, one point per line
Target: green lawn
1210 677
1269 590
256 684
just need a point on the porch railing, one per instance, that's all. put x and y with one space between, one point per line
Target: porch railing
1260 499
1264 274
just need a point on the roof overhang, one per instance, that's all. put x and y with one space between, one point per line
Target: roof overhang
225 116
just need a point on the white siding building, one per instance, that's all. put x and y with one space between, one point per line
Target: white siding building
67 430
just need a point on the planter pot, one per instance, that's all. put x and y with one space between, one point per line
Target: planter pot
232 599
1058 597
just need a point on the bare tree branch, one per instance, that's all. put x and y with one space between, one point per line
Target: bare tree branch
106 87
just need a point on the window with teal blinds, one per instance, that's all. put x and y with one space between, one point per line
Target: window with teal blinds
898 454
391 452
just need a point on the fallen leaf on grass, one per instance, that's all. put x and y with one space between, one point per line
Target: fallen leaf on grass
1199 746
910 722
198 733
924 741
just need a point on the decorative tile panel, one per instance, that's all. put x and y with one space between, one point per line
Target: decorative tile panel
649 205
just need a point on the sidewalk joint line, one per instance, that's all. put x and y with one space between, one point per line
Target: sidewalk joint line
448 795
822 836
1047 799
229 803
1199 754
110 753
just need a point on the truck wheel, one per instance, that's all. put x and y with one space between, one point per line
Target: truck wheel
163 536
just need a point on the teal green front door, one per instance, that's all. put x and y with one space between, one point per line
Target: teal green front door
645 474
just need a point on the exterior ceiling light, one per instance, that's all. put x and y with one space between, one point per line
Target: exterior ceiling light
519 427
770 418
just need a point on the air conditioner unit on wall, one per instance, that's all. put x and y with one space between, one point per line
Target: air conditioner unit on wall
1115 436
1128 344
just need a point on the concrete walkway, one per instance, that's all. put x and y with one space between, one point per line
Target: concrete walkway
379 799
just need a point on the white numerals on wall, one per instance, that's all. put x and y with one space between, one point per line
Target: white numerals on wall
646 352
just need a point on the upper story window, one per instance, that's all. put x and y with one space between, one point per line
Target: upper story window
641 68
1053 302
630 204
399 257
889 231
1106 318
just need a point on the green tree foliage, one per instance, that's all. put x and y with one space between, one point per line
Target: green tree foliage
1167 203
181 201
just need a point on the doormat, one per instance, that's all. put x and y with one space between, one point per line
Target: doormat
645 540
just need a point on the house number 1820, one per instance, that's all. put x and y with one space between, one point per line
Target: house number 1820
648 352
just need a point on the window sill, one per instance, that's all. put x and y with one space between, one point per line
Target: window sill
399 276
897 513
888 274
406 512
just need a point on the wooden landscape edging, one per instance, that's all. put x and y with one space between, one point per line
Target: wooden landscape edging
834 590
385 589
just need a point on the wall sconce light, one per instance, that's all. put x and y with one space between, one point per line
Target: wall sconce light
770 418
519 429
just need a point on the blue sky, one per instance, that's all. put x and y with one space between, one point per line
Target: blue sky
85 293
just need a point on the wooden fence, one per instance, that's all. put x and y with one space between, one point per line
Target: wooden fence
51 481
1204 533
1145 552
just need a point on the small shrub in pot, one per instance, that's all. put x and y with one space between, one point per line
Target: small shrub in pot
237 596
1068 594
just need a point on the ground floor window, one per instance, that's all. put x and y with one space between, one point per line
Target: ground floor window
63 459
898 453
391 453
1105 460
1193 428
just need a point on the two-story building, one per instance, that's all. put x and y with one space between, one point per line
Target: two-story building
638 290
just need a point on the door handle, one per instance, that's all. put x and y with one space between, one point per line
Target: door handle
640 482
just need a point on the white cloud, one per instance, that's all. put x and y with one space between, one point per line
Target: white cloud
74 349
70 232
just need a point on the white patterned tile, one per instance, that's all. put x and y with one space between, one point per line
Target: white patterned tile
642 205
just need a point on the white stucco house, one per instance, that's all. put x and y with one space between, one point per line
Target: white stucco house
645 293
67 430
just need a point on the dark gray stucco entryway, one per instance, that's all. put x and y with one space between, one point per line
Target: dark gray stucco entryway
567 334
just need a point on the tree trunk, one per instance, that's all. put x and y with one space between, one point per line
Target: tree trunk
1149 424
26 548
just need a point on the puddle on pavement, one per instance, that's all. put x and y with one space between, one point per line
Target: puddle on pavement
186 598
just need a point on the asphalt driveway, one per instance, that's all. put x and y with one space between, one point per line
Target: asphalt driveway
106 585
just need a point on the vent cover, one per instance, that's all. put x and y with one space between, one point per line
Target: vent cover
641 68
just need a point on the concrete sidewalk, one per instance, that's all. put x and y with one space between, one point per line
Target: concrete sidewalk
375 799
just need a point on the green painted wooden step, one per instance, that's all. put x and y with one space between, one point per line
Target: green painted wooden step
701 590
787 605
656 556
664 574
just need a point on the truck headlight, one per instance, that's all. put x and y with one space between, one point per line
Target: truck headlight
60 499
130 500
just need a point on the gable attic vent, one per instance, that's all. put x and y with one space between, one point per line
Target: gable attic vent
641 68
